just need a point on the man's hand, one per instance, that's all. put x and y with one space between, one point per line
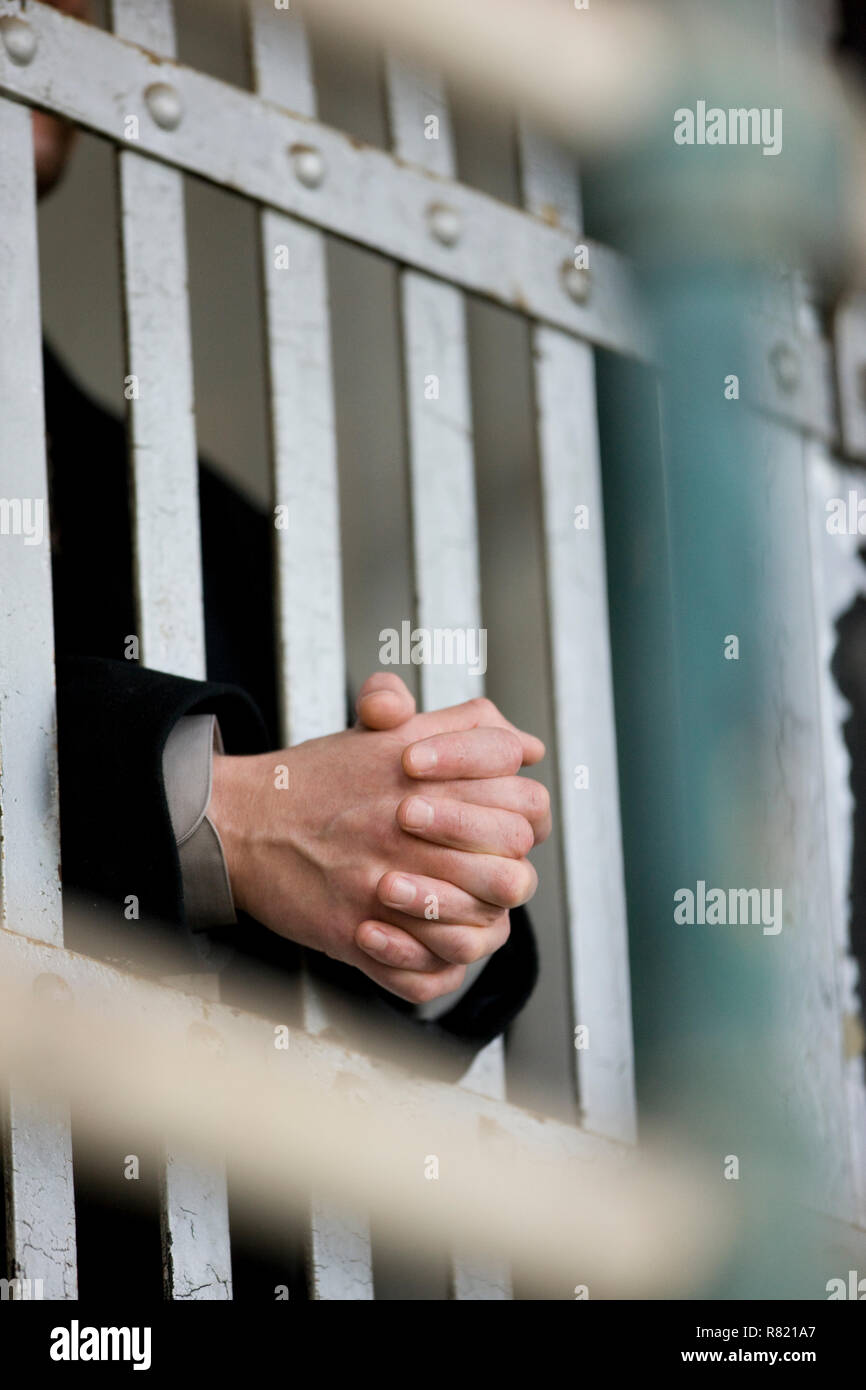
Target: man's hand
397 848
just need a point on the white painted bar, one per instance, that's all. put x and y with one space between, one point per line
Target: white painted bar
850 357
162 422
444 521
583 687
196 1255
310 646
40 1213
837 579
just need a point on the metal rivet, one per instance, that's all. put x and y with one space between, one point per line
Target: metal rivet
444 223
576 282
19 39
786 367
309 165
164 104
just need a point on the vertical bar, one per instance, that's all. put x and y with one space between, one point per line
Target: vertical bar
444 522
197 1257
836 582
591 836
850 364
305 483
40 1211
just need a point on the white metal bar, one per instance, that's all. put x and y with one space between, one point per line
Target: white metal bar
160 389
850 336
583 687
252 146
40 1213
310 645
837 581
444 522
197 1257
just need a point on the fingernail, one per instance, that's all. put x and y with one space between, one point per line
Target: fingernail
401 893
375 940
422 758
418 813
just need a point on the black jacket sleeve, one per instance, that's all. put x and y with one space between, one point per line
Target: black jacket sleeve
116 836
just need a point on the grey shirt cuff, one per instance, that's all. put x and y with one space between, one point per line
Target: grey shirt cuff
187 768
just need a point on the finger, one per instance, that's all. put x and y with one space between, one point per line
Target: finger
416 986
494 879
461 825
484 752
411 896
522 794
384 701
463 944
481 712
393 946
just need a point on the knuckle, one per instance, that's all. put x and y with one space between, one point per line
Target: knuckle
412 990
512 748
484 709
400 954
467 946
523 838
427 987
530 882
515 883
538 799
490 915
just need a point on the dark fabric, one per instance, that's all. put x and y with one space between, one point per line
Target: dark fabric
849 670
114 716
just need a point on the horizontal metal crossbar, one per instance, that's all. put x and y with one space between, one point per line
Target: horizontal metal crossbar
107 992
286 1107
302 167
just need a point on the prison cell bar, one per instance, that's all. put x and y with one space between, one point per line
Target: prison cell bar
167 548
310 647
442 491
590 832
37 1147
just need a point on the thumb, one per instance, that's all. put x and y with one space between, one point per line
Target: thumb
384 701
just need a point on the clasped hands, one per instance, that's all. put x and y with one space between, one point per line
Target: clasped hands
397 846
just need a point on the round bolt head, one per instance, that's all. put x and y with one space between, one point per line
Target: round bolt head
164 105
308 164
575 281
786 367
444 223
19 38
